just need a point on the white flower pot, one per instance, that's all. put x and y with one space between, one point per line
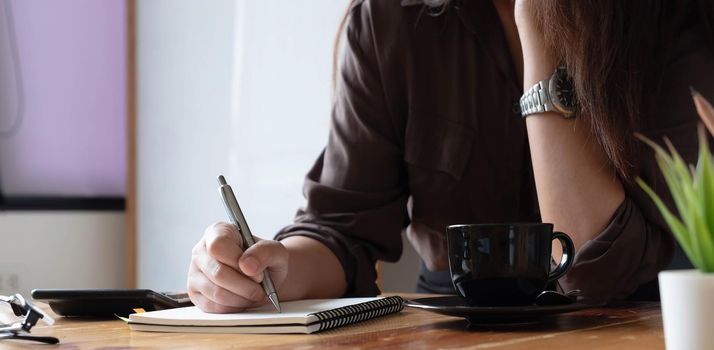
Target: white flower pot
687 309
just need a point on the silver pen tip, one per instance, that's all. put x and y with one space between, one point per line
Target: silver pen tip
274 299
222 180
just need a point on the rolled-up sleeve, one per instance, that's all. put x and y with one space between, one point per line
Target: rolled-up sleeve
356 191
628 253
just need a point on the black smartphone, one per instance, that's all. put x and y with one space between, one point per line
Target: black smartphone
108 302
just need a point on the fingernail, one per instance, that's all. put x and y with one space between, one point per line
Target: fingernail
250 264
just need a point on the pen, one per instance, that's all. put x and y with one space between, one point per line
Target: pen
236 216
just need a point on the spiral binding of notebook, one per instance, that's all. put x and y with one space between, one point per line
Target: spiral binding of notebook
359 312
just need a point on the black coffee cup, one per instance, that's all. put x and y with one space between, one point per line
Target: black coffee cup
504 264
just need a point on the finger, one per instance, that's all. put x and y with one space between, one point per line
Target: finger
208 305
217 294
265 254
223 243
227 277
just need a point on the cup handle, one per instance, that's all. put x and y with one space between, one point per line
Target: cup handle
566 260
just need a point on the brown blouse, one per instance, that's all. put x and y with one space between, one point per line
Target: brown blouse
425 134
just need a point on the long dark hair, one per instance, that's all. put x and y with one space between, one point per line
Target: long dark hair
614 51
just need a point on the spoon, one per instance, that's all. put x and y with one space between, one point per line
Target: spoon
551 297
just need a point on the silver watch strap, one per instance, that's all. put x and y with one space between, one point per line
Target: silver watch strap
536 99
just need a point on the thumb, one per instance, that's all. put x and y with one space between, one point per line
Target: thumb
265 254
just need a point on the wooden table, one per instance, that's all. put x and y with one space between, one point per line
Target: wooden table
631 326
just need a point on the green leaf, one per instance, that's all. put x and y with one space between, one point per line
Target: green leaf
692 191
681 170
704 181
672 179
666 165
693 214
677 179
702 244
678 229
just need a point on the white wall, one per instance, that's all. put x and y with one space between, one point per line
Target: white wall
240 88
59 249
184 81
282 106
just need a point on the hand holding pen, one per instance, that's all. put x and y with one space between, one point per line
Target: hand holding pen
226 271
236 215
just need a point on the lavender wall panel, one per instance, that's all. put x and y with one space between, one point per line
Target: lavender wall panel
72 138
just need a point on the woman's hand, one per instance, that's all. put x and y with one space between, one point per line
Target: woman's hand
525 20
538 62
223 277
522 11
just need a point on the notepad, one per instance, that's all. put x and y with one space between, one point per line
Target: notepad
302 316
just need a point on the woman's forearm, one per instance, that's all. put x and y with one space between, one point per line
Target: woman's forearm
578 191
313 271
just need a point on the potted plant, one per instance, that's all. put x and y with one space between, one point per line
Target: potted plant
688 295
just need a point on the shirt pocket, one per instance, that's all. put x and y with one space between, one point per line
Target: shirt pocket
437 146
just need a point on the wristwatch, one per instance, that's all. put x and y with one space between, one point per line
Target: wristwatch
554 94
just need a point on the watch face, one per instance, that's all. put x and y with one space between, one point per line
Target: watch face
562 92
